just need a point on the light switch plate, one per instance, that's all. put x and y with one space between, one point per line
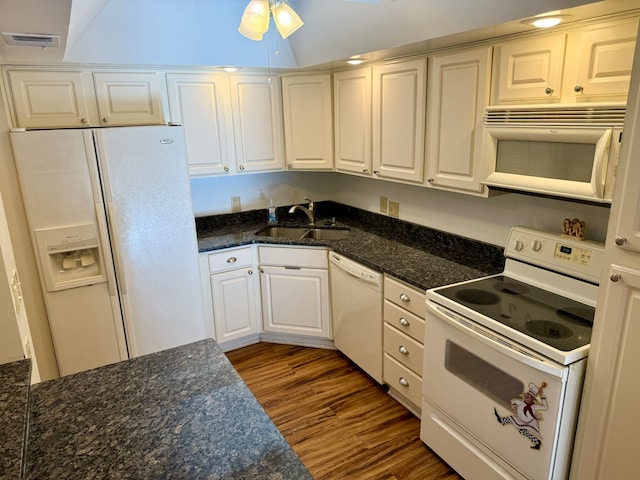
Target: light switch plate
235 204
394 209
383 204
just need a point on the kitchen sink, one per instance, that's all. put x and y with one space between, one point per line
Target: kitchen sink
299 233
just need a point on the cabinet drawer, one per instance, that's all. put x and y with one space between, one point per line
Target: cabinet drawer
403 380
404 321
230 259
405 296
293 257
403 348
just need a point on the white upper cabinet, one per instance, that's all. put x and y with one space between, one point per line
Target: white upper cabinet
308 123
529 70
50 99
352 120
129 98
399 108
257 122
201 103
458 93
599 60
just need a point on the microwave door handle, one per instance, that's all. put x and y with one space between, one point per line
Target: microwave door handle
599 172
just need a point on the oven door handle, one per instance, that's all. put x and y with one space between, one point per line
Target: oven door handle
497 342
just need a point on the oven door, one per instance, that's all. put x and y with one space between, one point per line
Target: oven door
482 394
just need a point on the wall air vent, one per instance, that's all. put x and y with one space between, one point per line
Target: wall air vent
556 115
32 39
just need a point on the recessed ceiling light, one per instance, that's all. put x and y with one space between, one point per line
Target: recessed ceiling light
355 60
546 21
230 69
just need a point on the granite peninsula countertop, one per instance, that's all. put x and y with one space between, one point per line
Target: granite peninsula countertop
14 395
420 256
182 413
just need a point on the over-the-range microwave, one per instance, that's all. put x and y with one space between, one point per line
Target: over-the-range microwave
559 151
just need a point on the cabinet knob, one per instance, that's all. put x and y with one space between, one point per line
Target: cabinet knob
105 120
404 322
232 260
548 90
226 169
403 350
403 381
250 272
289 165
365 170
430 180
83 120
376 172
620 240
404 297
241 167
614 277
578 89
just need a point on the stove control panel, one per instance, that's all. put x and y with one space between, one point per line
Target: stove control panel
579 258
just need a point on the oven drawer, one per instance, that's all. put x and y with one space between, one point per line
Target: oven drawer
405 296
403 348
404 321
403 380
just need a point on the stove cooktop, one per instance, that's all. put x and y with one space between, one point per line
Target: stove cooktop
555 320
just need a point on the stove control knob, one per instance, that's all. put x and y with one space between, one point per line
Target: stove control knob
536 245
519 245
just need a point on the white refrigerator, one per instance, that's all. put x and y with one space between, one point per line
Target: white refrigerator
113 233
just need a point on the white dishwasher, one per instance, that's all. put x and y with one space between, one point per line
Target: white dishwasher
356 296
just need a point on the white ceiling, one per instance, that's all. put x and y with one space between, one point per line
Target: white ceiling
204 32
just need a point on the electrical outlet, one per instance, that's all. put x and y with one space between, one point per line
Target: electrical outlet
235 204
394 209
383 204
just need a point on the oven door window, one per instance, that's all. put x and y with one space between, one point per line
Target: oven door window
558 160
484 377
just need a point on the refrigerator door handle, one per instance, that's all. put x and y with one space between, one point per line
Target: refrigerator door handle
111 212
106 256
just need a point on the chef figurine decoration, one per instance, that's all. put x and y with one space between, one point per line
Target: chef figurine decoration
526 418
573 228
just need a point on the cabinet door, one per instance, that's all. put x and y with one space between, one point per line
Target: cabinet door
308 124
352 122
399 104
49 99
295 301
257 123
530 70
458 93
605 58
202 104
235 310
129 98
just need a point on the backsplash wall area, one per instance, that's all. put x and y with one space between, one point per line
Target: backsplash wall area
484 219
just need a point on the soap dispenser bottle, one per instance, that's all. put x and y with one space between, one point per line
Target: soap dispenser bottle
272 217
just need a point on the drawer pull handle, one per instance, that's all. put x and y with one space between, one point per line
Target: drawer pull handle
403 350
404 297
403 381
232 260
404 322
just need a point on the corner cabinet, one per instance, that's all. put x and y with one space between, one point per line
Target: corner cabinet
352 120
295 291
458 93
257 122
399 108
308 123
202 104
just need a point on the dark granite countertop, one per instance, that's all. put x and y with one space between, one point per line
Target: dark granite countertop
182 413
420 256
14 401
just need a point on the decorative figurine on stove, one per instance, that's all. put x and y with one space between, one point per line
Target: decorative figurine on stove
573 228
526 417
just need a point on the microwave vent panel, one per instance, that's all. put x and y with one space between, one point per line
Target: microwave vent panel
573 115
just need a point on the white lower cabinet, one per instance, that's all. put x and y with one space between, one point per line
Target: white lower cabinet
235 297
295 291
403 342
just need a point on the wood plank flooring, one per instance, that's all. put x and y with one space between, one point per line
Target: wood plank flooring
340 422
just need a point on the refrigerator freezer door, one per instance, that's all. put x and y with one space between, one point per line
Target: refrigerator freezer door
147 193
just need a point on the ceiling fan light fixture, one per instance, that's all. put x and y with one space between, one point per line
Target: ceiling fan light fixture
286 19
255 19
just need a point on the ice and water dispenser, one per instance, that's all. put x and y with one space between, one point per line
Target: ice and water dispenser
70 256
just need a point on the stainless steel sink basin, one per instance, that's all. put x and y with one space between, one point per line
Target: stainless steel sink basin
299 233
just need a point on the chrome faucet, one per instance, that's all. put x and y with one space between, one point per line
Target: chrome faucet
310 212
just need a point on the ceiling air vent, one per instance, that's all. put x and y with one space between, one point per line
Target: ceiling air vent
32 39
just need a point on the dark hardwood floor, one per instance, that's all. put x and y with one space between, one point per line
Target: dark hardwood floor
340 422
